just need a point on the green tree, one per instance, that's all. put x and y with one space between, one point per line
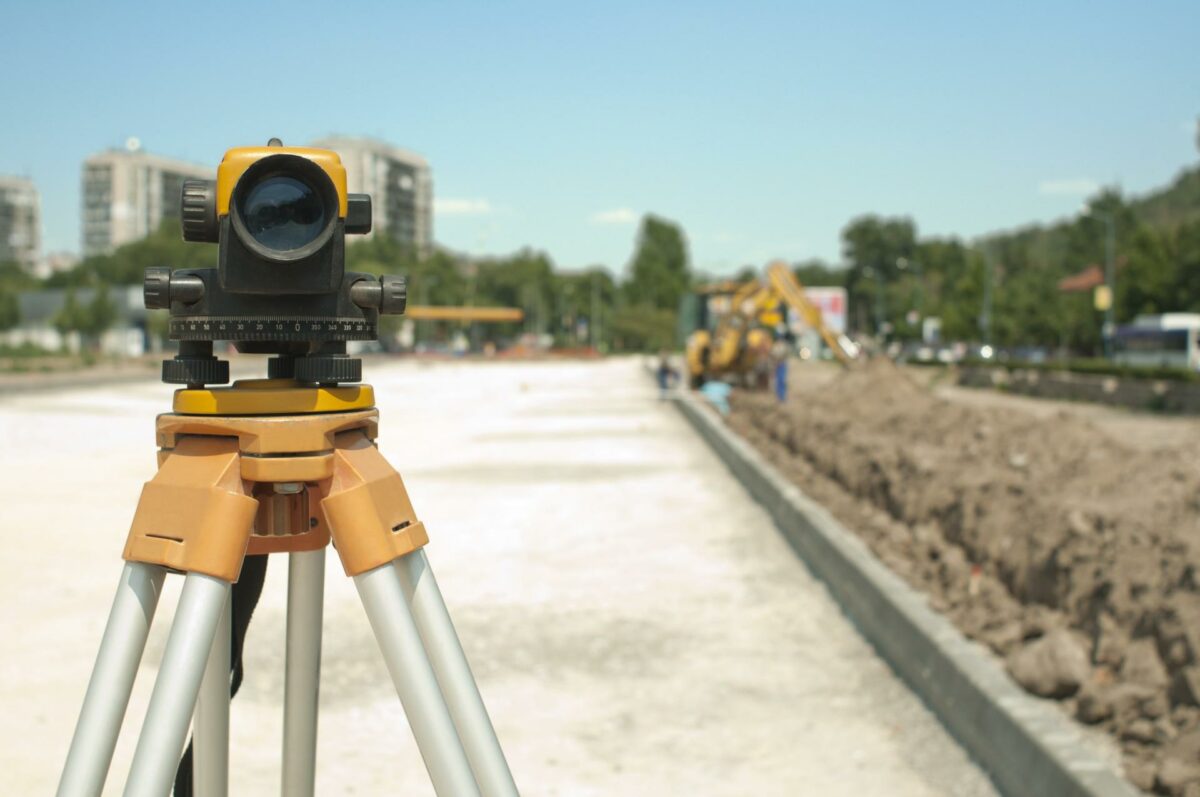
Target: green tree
13 280
100 314
659 274
69 316
1186 254
576 296
127 264
1147 277
643 327
10 311
960 290
817 272
873 246
89 320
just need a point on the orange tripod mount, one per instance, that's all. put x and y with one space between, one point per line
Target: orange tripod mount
276 466
302 469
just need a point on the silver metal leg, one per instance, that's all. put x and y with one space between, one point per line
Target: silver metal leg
210 729
112 679
415 682
454 675
165 729
302 674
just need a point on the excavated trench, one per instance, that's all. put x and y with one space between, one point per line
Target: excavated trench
1068 552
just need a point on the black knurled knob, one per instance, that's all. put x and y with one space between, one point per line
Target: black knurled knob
282 367
198 211
195 371
395 295
324 368
156 288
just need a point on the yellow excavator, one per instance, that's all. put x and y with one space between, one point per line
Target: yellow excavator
739 342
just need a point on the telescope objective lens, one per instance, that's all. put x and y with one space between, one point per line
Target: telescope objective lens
283 213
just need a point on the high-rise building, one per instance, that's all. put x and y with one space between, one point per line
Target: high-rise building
399 183
128 193
20 222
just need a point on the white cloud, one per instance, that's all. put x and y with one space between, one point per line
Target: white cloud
615 216
461 207
1069 187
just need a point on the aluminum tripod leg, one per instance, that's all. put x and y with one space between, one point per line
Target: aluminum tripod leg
112 679
415 683
302 671
165 728
210 732
454 675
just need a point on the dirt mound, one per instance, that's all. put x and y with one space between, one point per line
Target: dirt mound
1022 529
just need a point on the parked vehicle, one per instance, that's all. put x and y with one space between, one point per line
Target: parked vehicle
1170 340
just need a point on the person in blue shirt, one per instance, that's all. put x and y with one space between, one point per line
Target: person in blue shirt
779 355
665 373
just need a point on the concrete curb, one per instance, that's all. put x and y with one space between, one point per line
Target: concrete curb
1027 746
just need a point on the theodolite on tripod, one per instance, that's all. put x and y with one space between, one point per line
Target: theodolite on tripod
278 465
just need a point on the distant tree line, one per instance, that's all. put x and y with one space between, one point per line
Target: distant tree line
573 308
1002 289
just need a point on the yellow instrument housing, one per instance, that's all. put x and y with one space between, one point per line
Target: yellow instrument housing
272 397
239 159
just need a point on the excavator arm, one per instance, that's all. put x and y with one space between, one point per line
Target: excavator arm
791 291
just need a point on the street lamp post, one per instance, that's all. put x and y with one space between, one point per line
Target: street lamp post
902 264
985 315
594 321
422 294
1110 245
876 276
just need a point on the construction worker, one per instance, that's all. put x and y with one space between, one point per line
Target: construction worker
665 373
779 356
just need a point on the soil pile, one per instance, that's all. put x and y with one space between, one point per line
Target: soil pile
1068 552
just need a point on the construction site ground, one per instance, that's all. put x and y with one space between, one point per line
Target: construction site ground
1065 537
636 623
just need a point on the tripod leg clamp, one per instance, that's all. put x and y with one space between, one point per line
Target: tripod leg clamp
194 515
366 507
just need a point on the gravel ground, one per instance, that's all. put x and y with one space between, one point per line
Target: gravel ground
637 625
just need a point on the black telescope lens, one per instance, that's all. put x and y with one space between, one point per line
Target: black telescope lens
283 213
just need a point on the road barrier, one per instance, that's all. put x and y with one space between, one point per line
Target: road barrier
1026 745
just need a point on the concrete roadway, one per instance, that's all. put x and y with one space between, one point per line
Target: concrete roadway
637 625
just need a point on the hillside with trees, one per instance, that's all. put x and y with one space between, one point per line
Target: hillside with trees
1004 287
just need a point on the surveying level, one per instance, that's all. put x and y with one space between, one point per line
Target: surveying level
285 464
280 216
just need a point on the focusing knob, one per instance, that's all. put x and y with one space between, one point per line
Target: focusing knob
195 371
395 295
156 288
198 211
161 286
328 369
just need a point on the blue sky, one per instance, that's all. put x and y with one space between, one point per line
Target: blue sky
761 128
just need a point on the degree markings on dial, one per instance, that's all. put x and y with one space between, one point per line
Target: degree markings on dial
271 328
